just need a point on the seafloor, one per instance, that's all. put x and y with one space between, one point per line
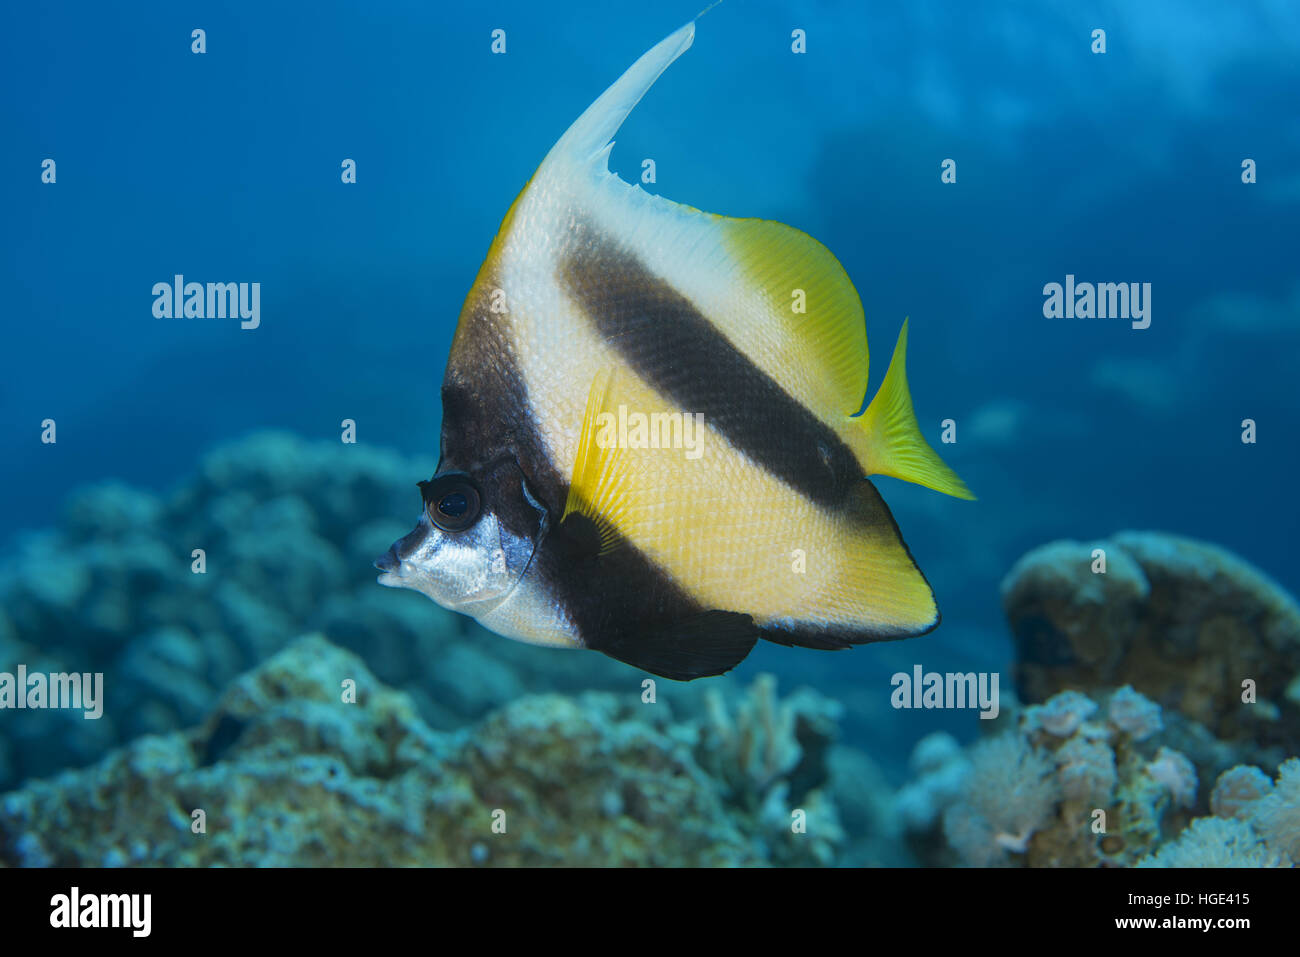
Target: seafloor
289 712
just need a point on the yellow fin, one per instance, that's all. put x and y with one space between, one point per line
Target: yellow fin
598 488
888 440
819 355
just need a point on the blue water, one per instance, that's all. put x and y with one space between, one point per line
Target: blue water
1123 166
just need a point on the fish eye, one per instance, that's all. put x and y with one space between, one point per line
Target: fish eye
451 501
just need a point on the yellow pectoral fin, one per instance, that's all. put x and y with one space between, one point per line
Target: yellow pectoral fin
632 486
603 483
888 440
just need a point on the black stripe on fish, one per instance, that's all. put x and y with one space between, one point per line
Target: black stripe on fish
675 348
487 416
626 606
622 603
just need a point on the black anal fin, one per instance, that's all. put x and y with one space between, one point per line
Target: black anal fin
702 645
810 638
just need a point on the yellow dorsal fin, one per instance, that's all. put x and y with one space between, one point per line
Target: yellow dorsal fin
888 440
814 328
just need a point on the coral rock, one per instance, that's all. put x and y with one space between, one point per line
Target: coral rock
1134 714
1237 790
289 770
1176 774
1183 622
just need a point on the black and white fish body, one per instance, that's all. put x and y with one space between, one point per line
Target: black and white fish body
649 438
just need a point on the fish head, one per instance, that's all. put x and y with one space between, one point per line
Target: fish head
474 541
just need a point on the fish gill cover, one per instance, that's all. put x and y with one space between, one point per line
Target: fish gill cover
224 348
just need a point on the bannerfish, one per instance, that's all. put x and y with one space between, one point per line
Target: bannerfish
651 444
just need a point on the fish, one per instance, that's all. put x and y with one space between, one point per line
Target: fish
651 440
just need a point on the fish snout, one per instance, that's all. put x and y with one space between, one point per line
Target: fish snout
390 561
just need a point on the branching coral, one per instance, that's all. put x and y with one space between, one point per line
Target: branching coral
1066 787
1086 767
756 744
1009 794
289 773
772 754
1277 815
1255 823
1063 713
1216 842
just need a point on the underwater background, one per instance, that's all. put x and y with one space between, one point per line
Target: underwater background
175 434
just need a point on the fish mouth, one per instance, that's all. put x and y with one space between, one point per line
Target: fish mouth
390 564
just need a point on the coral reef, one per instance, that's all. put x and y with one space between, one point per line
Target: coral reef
1175 667
1063 714
1255 824
1173 770
1276 815
941 768
771 756
1133 713
1189 625
1238 788
1078 781
864 801
286 770
1008 795
1151 663
289 529
1215 842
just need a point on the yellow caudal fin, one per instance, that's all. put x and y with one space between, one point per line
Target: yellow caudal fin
888 440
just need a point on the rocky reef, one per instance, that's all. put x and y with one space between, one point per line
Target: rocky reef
311 760
1084 781
1195 628
1256 823
1160 678
1155 718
